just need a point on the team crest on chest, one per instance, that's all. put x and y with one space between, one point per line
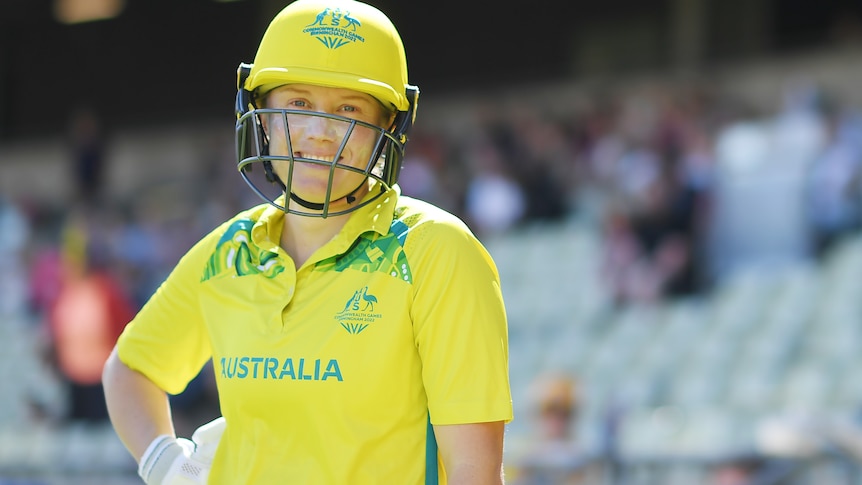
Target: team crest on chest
359 312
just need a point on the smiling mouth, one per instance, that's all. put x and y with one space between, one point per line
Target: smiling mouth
317 158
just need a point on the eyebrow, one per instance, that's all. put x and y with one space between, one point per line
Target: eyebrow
357 97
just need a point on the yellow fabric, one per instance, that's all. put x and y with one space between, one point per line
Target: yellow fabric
327 374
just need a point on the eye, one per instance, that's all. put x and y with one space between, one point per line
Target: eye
358 112
298 103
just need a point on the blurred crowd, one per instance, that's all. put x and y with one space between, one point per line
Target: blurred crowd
682 183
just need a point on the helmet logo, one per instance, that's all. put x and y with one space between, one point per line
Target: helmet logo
334 28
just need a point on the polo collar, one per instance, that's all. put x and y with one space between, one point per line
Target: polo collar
376 216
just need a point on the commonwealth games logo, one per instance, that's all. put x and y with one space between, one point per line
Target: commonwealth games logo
358 312
334 28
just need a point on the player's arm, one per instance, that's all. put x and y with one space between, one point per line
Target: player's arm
138 408
140 413
159 352
472 453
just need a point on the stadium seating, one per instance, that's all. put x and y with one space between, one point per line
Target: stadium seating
690 377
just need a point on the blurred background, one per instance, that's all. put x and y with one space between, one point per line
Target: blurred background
672 190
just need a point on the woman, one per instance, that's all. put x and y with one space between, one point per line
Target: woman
357 335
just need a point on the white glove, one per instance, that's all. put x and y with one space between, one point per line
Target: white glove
206 439
178 461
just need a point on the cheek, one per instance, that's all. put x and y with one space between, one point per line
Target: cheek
363 140
272 126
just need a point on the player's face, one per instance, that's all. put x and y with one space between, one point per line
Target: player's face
319 139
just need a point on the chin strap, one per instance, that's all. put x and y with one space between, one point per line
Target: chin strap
350 198
271 177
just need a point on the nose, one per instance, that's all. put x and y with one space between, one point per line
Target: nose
323 128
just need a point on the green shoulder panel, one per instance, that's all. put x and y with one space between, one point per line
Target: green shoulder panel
234 252
374 252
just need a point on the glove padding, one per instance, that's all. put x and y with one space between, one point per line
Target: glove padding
178 461
206 439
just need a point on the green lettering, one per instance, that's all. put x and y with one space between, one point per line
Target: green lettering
270 366
332 370
243 367
302 376
287 369
256 360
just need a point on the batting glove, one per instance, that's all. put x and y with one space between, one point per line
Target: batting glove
178 461
206 439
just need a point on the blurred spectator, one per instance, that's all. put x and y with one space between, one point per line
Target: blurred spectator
419 178
834 189
552 457
14 233
141 263
422 171
695 173
649 245
736 471
45 277
620 251
85 320
494 201
544 165
87 144
29 384
532 152
759 212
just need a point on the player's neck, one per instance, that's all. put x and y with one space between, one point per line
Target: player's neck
301 236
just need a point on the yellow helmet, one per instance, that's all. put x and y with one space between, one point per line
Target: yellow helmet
332 43
335 43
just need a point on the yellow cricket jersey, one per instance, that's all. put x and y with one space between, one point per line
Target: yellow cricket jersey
334 372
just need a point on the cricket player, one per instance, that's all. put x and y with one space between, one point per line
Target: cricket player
358 336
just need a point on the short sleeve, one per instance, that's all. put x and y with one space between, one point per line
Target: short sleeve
167 341
460 328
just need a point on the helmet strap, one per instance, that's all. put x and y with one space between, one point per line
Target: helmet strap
304 203
350 198
271 176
